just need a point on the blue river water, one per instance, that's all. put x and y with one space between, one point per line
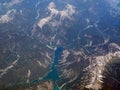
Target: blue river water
53 75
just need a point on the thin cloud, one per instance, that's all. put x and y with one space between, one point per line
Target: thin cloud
12 3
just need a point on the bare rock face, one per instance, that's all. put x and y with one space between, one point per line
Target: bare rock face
47 85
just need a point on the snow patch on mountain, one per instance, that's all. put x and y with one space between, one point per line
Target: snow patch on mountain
8 16
66 13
